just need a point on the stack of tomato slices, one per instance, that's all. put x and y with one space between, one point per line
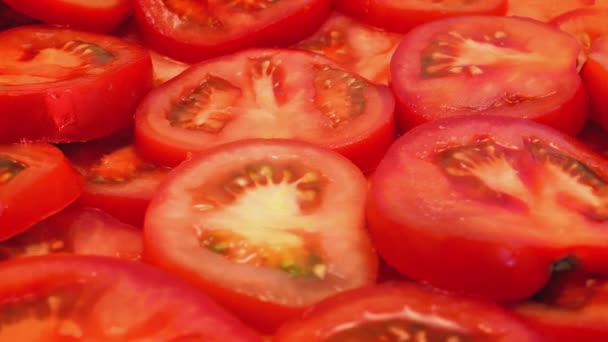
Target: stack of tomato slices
303 170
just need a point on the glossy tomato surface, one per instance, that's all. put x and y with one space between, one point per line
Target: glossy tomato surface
546 10
497 66
191 30
595 74
266 227
485 205
87 298
36 181
266 93
61 85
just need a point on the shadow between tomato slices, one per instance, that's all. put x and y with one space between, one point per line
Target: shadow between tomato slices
594 74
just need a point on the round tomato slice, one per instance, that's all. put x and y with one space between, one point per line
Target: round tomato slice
89 298
267 227
77 230
595 74
118 180
403 15
193 30
404 312
363 49
585 25
498 66
266 93
544 10
96 15
485 205
68 85
36 181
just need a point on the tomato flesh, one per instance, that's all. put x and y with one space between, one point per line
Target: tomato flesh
544 10
585 25
594 75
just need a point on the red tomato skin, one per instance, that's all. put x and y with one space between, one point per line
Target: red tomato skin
130 210
285 32
594 76
68 13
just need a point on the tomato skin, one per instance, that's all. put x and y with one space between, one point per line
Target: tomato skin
285 31
78 16
594 74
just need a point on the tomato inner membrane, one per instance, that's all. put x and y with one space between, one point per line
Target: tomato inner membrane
396 330
9 169
119 166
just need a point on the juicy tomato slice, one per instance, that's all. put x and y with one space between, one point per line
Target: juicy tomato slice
92 298
193 30
485 205
585 25
11 18
544 10
36 181
573 308
404 312
594 137
595 74
267 227
266 93
363 49
73 85
118 180
77 230
97 15
403 15
514 67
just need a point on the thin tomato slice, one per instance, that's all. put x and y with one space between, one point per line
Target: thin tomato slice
544 10
403 15
77 230
595 74
404 312
61 85
267 227
36 181
266 93
363 49
497 66
88 298
193 30
585 25
485 205
96 15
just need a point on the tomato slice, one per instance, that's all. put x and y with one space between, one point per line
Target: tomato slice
77 230
97 15
544 10
193 30
90 298
595 74
585 25
484 205
118 180
36 181
514 67
403 15
266 93
404 312
11 18
363 49
267 227
573 308
73 85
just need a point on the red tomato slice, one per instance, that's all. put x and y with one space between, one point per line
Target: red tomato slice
193 30
573 308
594 137
404 312
92 15
36 181
118 180
403 15
484 205
585 25
362 49
266 93
595 74
77 230
73 85
496 66
86 298
545 10
267 227
11 18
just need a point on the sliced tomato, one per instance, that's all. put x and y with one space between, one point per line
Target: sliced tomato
193 30
118 180
497 66
363 49
573 308
60 85
403 15
485 205
267 227
585 25
594 137
595 74
36 181
96 15
11 18
77 230
546 10
404 312
266 93
90 298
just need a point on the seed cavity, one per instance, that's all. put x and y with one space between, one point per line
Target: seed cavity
251 5
396 331
332 44
339 95
9 169
119 166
